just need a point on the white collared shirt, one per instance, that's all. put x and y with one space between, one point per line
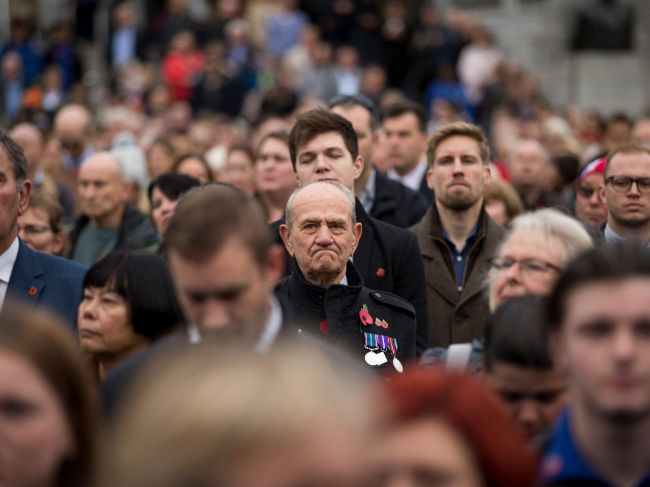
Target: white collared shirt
7 261
413 179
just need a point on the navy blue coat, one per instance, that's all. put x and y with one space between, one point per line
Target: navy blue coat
46 281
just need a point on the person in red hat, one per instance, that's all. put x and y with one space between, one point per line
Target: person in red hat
591 207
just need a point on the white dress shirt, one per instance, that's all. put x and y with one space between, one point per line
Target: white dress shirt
413 179
7 261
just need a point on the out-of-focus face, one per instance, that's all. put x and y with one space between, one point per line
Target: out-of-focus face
326 158
359 117
458 176
534 263
424 452
35 230
534 396
331 454
105 328
527 164
162 209
160 160
239 171
604 346
31 142
229 292
321 236
591 207
194 168
497 210
273 169
404 141
13 201
629 208
36 437
101 189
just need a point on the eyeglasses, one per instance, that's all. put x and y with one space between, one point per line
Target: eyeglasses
526 266
34 229
622 184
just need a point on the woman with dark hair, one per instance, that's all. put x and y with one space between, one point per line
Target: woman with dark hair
128 303
47 411
446 428
194 166
164 192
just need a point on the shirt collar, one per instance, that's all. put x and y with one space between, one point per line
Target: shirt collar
7 261
367 198
413 179
470 238
611 236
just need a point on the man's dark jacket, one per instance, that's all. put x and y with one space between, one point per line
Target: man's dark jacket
340 307
136 232
456 317
388 259
48 282
395 203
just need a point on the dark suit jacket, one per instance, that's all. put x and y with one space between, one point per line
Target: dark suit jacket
388 259
396 204
425 190
47 281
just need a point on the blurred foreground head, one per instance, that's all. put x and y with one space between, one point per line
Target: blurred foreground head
443 431
224 416
47 416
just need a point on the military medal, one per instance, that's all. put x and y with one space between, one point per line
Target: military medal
379 346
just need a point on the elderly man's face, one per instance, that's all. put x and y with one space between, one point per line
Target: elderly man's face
101 188
321 236
532 264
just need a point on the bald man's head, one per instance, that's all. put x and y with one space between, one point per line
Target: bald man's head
30 140
73 127
102 190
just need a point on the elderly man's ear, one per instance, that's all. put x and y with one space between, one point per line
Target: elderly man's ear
357 230
284 233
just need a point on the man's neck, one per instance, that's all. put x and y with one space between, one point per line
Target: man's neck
459 224
6 242
620 451
111 220
325 280
641 232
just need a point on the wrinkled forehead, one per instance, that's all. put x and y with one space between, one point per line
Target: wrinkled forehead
534 244
322 202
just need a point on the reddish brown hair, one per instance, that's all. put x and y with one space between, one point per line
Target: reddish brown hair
501 452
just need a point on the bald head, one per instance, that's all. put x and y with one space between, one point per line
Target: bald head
102 189
73 127
30 140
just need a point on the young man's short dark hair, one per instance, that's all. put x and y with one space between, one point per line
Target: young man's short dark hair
320 121
404 107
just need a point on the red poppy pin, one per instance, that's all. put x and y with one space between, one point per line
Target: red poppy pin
324 327
381 272
32 291
364 315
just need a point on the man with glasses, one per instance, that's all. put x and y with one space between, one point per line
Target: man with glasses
627 192
383 198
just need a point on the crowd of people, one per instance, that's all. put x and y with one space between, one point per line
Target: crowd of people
315 243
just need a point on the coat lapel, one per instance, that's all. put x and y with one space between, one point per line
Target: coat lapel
27 277
363 254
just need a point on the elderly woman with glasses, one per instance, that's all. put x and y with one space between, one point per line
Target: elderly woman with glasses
534 254
41 225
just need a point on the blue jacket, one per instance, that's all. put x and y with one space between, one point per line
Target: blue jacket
47 281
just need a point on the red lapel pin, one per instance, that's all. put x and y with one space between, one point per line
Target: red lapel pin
32 291
324 327
381 272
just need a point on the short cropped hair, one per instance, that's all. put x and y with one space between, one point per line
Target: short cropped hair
208 216
554 224
624 149
288 212
358 100
172 185
320 121
607 263
515 334
15 155
458 129
145 283
404 107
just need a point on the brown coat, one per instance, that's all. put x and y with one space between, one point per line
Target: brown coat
456 317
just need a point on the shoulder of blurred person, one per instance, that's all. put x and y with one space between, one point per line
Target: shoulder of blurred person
456 316
45 280
395 203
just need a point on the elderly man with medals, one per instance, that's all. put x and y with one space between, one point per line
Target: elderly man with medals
326 292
